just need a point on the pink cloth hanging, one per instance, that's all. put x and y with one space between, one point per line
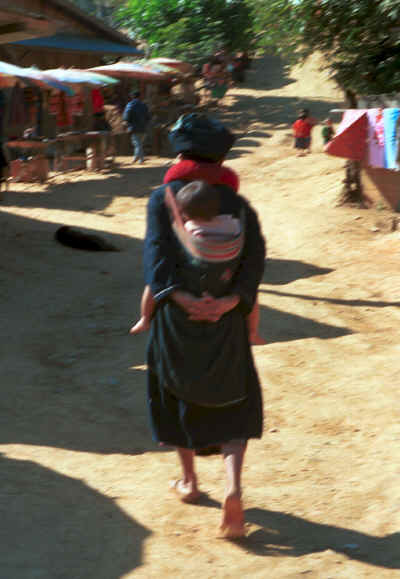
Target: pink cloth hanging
376 139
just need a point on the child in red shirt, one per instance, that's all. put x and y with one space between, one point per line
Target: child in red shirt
302 128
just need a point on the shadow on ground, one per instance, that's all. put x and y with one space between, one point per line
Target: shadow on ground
338 301
87 192
274 112
285 535
81 388
268 73
56 526
279 326
283 271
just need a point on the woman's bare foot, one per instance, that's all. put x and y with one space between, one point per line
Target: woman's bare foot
232 524
187 492
141 326
257 340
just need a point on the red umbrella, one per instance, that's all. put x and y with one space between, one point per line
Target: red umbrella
130 70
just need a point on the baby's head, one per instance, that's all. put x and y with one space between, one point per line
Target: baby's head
198 200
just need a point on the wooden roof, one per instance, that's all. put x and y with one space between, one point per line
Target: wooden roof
19 24
65 36
91 22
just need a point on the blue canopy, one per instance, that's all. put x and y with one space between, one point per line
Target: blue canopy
80 44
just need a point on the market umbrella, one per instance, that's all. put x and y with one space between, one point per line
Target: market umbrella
180 65
76 76
10 74
13 76
130 70
158 67
43 80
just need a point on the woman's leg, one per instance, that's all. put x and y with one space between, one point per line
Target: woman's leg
232 524
186 487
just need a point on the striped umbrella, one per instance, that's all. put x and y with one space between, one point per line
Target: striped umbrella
10 74
76 76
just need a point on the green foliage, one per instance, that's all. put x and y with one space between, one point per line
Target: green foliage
188 28
360 38
103 9
276 27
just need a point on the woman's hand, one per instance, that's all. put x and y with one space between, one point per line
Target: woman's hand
193 306
217 307
206 308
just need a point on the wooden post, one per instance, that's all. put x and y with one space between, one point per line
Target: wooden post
87 109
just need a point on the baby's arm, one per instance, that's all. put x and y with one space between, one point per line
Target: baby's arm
147 307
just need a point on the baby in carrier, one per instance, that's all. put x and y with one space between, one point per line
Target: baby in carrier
210 242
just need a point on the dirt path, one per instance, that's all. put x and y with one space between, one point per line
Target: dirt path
84 490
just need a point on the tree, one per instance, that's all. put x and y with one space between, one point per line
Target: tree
189 29
359 38
102 9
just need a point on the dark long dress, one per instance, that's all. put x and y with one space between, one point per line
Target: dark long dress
203 388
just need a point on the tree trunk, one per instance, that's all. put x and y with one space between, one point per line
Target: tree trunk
352 188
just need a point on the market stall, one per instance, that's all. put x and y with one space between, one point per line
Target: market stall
154 82
31 164
54 125
89 141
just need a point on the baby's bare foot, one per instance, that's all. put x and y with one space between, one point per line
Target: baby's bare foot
141 326
232 524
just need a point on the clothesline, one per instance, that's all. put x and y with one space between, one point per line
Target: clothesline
370 135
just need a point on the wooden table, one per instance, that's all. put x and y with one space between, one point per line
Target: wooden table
36 166
93 143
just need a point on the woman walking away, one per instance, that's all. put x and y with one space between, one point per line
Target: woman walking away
203 388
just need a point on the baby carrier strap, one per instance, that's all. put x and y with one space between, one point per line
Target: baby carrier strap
211 248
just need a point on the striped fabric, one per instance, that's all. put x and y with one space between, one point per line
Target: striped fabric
212 249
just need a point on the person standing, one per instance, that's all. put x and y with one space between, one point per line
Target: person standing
302 128
137 116
327 131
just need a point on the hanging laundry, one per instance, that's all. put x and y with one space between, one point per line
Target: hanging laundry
97 101
376 140
398 144
76 104
58 106
390 118
350 140
380 128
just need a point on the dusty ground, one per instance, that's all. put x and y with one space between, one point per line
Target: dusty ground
84 490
